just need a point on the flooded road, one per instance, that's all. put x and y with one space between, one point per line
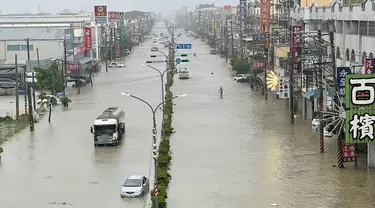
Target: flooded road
241 151
235 152
58 162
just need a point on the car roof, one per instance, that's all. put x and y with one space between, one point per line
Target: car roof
135 177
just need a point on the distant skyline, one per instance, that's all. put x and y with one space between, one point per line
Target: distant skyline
167 7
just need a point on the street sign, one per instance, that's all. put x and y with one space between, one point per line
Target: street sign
100 14
183 46
178 60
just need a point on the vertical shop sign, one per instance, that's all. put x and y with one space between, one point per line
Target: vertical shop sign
243 15
265 16
341 75
122 29
88 39
369 66
100 14
296 48
360 108
348 152
284 88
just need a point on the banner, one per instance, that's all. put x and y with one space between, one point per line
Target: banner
114 16
360 108
369 66
88 38
100 14
259 64
297 32
122 29
340 76
265 16
243 13
79 50
284 87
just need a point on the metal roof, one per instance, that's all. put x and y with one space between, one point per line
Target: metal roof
45 19
32 33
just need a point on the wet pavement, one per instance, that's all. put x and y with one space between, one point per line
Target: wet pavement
241 151
234 152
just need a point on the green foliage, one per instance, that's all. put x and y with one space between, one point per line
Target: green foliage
12 126
65 101
241 66
50 77
1 150
164 156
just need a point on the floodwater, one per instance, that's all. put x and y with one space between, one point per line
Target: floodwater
235 152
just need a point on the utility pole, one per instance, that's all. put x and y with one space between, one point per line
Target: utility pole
65 68
232 36
31 117
221 37
320 83
79 81
226 39
37 57
25 90
106 48
32 71
265 71
110 43
17 93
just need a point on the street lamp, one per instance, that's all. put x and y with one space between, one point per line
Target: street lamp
161 77
153 110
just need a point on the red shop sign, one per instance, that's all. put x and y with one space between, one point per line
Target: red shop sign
259 64
88 38
79 50
348 152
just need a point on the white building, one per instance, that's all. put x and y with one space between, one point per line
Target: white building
49 43
354 28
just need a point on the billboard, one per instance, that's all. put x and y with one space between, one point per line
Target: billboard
259 64
114 16
100 14
360 108
297 32
88 38
265 16
69 35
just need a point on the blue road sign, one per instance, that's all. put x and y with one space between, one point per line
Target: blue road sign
178 60
183 46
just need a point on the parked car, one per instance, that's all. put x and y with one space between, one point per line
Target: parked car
116 65
135 186
245 79
213 51
154 49
183 74
240 77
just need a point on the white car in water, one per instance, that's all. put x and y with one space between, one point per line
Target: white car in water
116 65
183 74
135 186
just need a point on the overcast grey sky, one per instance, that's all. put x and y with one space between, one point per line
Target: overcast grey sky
53 6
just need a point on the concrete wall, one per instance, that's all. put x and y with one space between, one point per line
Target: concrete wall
47 49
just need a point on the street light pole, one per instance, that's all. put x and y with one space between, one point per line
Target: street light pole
161 78
154 110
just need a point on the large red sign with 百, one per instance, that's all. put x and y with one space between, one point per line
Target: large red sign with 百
88 39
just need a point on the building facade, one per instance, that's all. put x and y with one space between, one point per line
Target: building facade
354 28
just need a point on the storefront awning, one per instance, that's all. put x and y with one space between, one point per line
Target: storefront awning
84 60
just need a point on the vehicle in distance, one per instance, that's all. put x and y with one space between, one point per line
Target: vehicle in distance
7 83
240 76
245 79
213 51
183 74
135 186
154 49
109 127
116 65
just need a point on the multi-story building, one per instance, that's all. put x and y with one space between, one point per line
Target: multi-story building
354 28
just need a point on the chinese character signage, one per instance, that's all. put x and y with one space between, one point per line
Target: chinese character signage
243 14
341 75
114 16
360 108
100 14
122 29
88 38
284 88
79 50
369 66
265 16
259 64
348 152
297 32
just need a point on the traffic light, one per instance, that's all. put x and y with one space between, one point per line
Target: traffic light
153 56
148 62
185 60
184 54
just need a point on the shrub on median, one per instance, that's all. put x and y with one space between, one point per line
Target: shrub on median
164 155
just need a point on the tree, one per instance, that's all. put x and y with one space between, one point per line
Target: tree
241 66
50 77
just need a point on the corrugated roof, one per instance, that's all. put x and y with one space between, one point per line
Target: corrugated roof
32 33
